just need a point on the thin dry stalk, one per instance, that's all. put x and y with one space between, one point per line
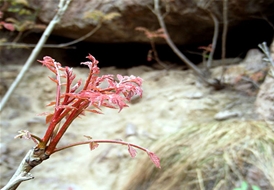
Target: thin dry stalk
214 39
63 45
216 84
225 26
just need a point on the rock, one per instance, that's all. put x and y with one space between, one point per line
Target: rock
195 95
265 100
253 61
80 19
223 115
3 148
130 130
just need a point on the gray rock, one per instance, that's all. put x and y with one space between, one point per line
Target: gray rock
265 100
190 18
224 115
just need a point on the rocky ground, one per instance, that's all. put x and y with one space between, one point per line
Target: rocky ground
172 99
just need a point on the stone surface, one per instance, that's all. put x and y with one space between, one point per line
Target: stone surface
224 115
187 21
265 99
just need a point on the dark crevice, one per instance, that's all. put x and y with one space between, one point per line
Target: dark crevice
124 55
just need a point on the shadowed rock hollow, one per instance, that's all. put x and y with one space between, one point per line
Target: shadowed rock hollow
187 21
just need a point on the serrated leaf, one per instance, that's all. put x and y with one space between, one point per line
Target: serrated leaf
48 118
94 111
23 134
154 158
93 145
54 80
51 104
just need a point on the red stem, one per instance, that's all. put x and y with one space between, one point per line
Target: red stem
67 88
88 80
75 113
100 141
58 90
52 125
58 111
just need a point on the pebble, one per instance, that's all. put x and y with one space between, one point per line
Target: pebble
130 130
3 148
195 95
224 115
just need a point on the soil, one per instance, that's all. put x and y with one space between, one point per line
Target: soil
172 99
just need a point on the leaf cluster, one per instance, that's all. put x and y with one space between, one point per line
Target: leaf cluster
75 97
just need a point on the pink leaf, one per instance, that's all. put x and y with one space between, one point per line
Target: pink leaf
93 145
132 151
49 118
26 135
54 80
154 158
9 26
120 77
94 111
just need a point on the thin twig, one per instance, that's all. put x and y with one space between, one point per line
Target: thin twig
155 55
269 58
198 72
63 5
63 45
225 25
214 39
100 141
23 45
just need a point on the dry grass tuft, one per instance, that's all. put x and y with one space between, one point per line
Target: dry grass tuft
211 156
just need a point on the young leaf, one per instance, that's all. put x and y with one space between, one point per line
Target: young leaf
93 145
49 118
23 134
132 151
27 135
154 158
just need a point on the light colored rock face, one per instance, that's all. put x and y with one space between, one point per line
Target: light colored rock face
187 21
265 99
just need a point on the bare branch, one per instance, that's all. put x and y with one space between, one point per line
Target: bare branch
23 45
224 29
63 45
266 51
173 46
214 39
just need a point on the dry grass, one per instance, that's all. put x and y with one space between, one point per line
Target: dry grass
210 156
